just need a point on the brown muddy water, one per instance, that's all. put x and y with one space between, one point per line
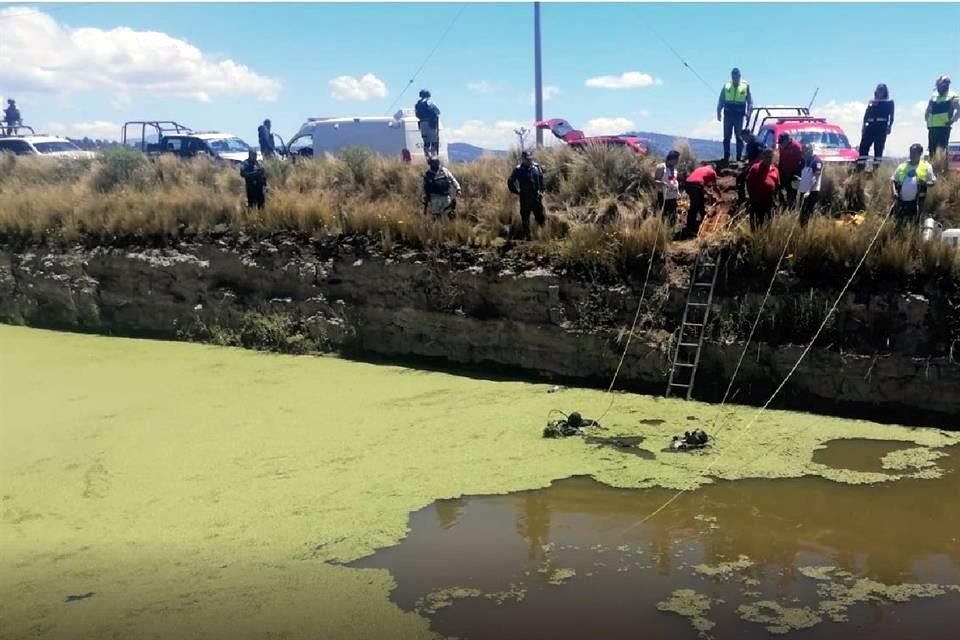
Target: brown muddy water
571 560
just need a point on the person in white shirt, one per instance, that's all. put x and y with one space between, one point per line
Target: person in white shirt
811 176
668 185
909 186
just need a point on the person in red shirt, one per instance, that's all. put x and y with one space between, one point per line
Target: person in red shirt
695 186
789 167
763 184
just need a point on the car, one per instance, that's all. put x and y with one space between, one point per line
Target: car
578 140
167 136
829 141
953 156
23 141
397 136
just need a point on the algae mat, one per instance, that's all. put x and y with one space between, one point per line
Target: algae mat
156 489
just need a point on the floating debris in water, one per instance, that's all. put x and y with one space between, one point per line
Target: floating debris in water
516 593
555 388
559 576
779 619
723 570
82 596
433 602
692 605
918 458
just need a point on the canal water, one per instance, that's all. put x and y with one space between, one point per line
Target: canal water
804 557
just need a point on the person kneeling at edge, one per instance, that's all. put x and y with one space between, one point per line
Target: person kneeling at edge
438 182
763 185
909 186
526 181
572 425
255 178
696 187
668 185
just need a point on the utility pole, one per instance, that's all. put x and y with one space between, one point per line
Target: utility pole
538 75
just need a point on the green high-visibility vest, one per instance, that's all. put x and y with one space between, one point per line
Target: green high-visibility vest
940 107
735 94
923 171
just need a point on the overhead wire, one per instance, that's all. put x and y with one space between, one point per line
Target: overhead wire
786 378
427 58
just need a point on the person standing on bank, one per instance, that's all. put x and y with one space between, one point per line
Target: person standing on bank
265 137
763 185
526 181
943 110
428 115
811 177
789 165
665 177
909 186
438 183
877 125
255 178
696 187
733 109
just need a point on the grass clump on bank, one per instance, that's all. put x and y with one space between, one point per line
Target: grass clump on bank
600 201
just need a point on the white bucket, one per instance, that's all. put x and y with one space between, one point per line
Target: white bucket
930 229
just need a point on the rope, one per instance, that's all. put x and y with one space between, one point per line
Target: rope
427 59
636 315
783 383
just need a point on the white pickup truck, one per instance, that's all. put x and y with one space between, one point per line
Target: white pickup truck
22 141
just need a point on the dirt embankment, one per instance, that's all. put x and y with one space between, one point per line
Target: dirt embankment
885 355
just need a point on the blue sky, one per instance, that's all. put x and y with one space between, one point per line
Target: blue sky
87 68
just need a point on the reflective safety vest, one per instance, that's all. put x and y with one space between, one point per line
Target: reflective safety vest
922 169
940 107
735 94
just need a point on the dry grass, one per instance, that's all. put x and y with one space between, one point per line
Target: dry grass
600 202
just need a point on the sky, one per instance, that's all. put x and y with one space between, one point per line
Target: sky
83 69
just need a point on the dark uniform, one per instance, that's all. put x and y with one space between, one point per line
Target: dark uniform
266 141
438 183
11 115
526 181
256 178
428 115
877 120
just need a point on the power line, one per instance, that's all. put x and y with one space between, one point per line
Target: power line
427 59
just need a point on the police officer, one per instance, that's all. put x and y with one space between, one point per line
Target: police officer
943 110
428 116
909 186
255 177
877 125
735 105
11 115
438 183
526 181
265 137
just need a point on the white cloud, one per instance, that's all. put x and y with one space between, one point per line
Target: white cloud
627 80
495 135
37 54
97 130
707 129
608 126
549 91
480 87
361 89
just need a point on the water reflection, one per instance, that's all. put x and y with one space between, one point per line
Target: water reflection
901 532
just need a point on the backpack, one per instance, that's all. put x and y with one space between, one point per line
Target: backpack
423 111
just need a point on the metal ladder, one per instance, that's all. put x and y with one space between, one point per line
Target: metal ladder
693 327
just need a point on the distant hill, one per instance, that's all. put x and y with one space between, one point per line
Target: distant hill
463 152
662 142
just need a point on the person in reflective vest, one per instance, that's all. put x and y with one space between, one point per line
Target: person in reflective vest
735 104
877 125
943 110
909 186
438 183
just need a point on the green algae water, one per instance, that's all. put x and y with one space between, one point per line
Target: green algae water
165 490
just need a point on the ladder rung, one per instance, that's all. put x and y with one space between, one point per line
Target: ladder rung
689 344
698 304
684 364
708 264
703 284
676 384
692 324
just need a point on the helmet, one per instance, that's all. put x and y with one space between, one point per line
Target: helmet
941 80
526 155
433 163
11 101
916 147
574 419
424 93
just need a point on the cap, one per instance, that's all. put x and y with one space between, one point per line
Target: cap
916 147
526 154
433 161
735 70
943 79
